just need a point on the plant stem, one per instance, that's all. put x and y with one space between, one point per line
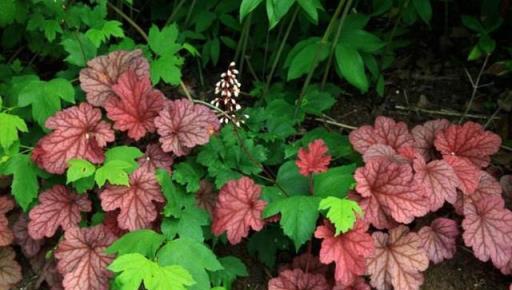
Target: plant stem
280 50
244 34
474 84
334 43
175 10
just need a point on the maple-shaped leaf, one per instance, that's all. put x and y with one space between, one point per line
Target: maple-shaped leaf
398 260
341 212
78 133
385 131
348 251
358 284
467 173
183 125
135 201
10 270
238 209
206 196
314 159
439 239
57 207
439 181
6 235
154 157
307 263
29 246
424 136
393 189
104 71
298 280
487 186
488 229
82 258
136 105
382 151
470 141
373 212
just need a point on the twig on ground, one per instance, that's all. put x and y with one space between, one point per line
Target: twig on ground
444 113
341 125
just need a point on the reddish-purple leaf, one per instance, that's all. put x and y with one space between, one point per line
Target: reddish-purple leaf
29 246
238 209
135 201
348 251
103 72
398 260
82 259
359 284
78 132
154 158
439 181
6 236
57 207
488 229
183 125
467 173
136 106
424 136
385 131
392 188
46 268
314 159
10 270
298 280
206 197
381 151
374 213
470 141
111 224
439 239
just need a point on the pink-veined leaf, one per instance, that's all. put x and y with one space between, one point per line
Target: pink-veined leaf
103 72
29 246
372 212
110 222
348 251
154 158
467 173
135 201
470 141
439 239
439 181
78 133
488 229
385 131
298 280
314 159
206 196
398 260
46 268
382 151
183 125
10 270
238 209
392 188
6 235
424 136
136 106
57 207
307 263
82 259
359 284
488 186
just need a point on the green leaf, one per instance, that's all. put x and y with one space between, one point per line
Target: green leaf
194 257
310 8
84 184
335 182
50 28
276 9
25 185
186 174
11 124
233 268
361 40
289 178
124 153
351 66
317 101
100 35
247 7
472 23
307 59
475 53
167 68
266 243
189 224
381 6
424 9
115 171
164 42
79 48
133 269
144 242
7 12
487 44
341 212
298 216
78 169
175 196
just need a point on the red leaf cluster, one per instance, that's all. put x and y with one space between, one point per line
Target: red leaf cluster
10 270
6 235
314 159
298 280
238 209
78 132
154 158
439 239
29 246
